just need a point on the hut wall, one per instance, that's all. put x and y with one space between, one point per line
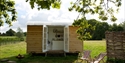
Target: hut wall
115 45
74 43
34 38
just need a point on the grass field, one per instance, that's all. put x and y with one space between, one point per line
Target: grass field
11 50
96 47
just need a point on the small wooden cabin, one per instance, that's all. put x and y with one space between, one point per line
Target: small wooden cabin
43 37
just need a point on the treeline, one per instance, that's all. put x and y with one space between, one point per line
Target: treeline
11 32
15 36
101 27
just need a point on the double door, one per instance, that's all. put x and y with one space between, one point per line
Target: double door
64 44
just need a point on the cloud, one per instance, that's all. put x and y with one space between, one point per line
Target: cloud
26 14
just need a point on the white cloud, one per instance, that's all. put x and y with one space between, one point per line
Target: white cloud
25 14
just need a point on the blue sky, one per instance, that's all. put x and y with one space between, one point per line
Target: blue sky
26 14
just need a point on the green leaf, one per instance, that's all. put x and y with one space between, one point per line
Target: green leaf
70 9
32 4
113 19
101 12
1 22
26 0
119 4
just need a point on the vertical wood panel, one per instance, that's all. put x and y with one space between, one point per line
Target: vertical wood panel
74 43
34 38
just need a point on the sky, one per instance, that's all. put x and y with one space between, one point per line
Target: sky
26 15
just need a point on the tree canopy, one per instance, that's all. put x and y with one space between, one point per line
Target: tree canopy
10 32
44 4
104 8
123 25
19 33
8 12
7 7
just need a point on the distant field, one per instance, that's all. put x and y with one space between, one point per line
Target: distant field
7 36
11 50
4 40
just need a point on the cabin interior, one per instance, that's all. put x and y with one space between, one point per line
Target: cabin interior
55 38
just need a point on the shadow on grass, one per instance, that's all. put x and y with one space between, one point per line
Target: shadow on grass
40 58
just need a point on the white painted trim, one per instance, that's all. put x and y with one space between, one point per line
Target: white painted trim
44 38
66 38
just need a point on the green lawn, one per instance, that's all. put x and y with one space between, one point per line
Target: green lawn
96 47
7 36
11 50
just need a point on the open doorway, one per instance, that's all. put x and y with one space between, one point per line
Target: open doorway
55 38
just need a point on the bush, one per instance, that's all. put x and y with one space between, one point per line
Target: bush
21 39
113 60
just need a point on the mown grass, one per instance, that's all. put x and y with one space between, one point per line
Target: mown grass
10 52
95 47
12 49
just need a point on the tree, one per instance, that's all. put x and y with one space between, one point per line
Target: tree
20 34
82 6
44 4
123 25
0 34
6 8
25 33
100 29
84 29
93 23
10 32
3 34
115 27
99 7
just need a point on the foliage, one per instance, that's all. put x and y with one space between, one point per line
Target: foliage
44 4
10 32
98 33
84 29
99 7
123 25
7 40
25 33
20 34
115 27
6 8
100 29
3 34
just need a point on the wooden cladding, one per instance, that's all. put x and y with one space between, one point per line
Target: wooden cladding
75 44
34 38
